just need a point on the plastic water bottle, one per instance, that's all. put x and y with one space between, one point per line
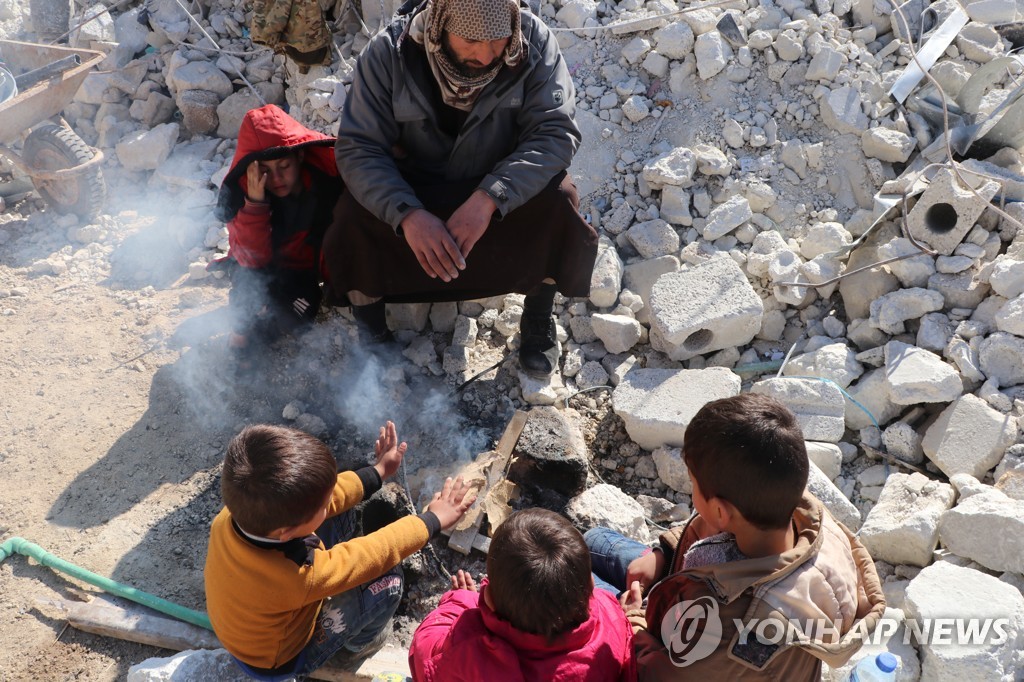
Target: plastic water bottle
880 668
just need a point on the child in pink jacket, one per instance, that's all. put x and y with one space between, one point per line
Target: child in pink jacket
536 617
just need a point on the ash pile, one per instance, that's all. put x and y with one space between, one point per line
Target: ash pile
822 201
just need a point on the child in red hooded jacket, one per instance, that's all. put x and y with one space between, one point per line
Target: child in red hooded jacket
537 615
277 199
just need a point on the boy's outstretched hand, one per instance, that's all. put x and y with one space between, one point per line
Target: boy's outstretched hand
463 581
451 503
389 451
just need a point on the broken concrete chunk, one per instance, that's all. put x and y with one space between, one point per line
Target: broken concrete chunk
969 437
606 280
890 311
946 591
919 376
844 511
658 404
653 238
819 406
1001 357
551 453
606 506
673 168
618 333
888 145
726 217
987 528
903 527
672 470
703 308
835 361
842 111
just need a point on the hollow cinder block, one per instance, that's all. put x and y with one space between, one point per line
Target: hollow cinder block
704 308
947 211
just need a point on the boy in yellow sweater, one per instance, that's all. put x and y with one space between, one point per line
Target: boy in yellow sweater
287 583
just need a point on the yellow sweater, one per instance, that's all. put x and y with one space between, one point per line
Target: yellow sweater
263 605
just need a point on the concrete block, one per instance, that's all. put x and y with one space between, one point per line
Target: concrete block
944 590
591 374
825 65
541 391
903 527
962 290
606 280
858 291
987 528
887 144
675 205
675 41
726 217
1010 317
618 333
672 168
1007 276
411 316
842 111
946 212
844 511
827 457
640 278
819 406
890 311
835 361
1001 357
672 469
901 440
443 315
658 404
969 437
145 150
919 376
712 53
606 506
703 308
200 75
653 238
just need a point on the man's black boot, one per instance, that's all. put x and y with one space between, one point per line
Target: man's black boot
538 345
373 326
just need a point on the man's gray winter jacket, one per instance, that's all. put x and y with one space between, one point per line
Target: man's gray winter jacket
520 133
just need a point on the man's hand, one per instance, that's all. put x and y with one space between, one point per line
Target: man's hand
435 250
470 221
646 569
451 503
463 581
255 182
389 451
632 599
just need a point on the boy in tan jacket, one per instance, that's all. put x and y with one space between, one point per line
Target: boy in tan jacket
762 583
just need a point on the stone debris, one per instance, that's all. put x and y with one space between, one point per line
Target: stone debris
944 590
969 437
607 506
903 527
987 527
819 405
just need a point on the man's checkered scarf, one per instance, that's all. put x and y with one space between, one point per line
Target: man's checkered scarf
472 20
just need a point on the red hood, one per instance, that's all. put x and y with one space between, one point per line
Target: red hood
263 133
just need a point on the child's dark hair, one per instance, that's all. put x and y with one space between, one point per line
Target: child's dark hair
538 568
275 477
749 451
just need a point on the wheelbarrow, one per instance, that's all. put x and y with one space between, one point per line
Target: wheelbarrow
61 166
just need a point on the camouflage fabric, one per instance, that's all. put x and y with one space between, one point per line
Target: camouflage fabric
294 27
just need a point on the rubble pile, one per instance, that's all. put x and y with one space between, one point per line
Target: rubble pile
778 213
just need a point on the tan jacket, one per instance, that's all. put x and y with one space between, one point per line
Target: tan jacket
826 587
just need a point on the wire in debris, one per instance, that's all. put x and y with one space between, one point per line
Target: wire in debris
467 382
219 49
641 20
587 390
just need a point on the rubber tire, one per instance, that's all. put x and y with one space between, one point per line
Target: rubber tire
54 147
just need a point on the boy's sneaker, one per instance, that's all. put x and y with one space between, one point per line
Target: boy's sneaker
538 345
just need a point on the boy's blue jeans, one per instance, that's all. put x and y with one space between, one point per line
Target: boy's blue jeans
348 621
610 556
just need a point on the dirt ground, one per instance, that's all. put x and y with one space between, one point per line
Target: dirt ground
118 398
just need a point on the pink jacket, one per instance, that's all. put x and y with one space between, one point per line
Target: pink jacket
463 640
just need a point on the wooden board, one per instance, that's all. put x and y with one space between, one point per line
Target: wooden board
464 536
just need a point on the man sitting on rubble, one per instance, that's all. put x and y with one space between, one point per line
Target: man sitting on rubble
453 145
